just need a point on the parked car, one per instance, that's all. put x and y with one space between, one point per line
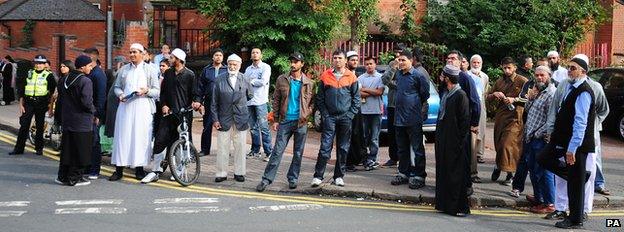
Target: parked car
429 125
612 81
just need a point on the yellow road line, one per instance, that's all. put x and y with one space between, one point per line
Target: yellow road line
302 199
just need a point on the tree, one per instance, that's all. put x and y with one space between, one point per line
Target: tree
499 28
360 14
277 27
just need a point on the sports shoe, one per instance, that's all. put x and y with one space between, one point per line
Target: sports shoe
508 180
415 183
252 154
171 178
350 168
556 215
93 177
390 163
292 185
514 193
262 186
316 182
83 182
266 158
150 177
61 182
399 180
371 166
567 224
339 182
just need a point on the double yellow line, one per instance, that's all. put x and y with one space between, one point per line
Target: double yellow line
304 199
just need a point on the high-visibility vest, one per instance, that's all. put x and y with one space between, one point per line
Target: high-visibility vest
36 84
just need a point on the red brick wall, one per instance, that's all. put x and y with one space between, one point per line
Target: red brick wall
74 45
390 13
130 10
89 32
191 19
617 40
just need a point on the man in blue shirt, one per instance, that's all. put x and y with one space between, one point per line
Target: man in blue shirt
412 92
292 104
569 151
206 81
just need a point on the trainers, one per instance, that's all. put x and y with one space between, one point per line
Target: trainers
61 182
292 185
262 186
171 178
399 180
556 215
316 182
514 193
339 182
93 177
82 182
266 158
371 166
508 180
390 163
415 183
150 177
252 154
350 168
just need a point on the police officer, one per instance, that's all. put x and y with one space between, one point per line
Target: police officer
34 97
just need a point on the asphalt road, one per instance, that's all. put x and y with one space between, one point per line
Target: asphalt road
31 201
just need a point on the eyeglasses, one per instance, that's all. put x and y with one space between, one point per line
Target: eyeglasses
572 68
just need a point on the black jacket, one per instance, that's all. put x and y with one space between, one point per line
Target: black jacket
75 102
178 90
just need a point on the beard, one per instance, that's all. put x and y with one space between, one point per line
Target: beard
554 66
232 72
475 71
541 86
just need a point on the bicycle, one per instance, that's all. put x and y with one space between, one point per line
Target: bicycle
51 133
182 157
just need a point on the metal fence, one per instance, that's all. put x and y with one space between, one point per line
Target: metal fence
598 54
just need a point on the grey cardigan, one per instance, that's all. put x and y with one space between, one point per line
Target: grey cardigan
602 107
152 80
229 103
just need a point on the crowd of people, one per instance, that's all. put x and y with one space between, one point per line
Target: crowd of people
547 120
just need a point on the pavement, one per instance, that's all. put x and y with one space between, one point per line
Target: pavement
375 185
31 201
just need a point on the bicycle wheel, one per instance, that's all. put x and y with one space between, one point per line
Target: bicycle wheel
184 163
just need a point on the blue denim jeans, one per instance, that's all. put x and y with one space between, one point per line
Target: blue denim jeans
96 156
371 126
338 127
543 181
259 125
411 151
284 132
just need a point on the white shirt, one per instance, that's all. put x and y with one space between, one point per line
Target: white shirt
232 78
560 74
258 78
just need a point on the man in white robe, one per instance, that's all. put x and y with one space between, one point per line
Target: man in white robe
136 86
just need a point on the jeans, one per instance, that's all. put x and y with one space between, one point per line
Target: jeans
259 125
206 137
522 169
392 145
96 157
411 151
338 127
543 181
284 132
371 126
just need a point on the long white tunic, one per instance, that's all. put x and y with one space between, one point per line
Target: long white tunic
132 144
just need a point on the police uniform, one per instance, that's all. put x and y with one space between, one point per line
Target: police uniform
34 93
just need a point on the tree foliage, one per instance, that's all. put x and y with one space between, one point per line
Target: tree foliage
361 13
277 27
499 28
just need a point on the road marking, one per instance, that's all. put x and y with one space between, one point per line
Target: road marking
11 213
90 202
14 203
185 210
298 199
103 210
274 208
185 200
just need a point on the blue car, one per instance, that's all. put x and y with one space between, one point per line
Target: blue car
429 125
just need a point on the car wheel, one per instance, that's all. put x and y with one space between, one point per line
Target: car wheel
317 121
621 127
430 137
